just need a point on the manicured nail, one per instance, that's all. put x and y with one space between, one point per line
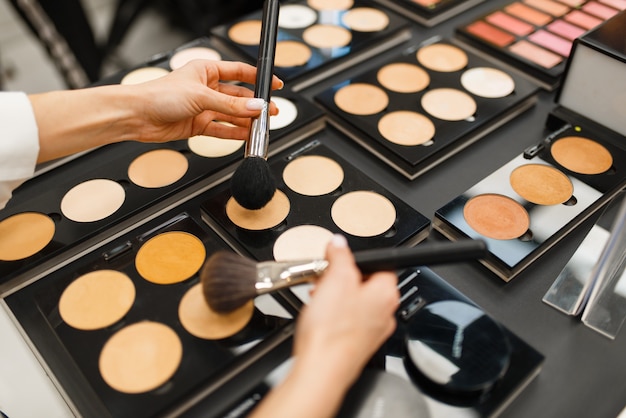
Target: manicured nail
282 84
255 104
339 241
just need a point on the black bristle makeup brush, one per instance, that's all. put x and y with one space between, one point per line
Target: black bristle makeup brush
252 184
229 280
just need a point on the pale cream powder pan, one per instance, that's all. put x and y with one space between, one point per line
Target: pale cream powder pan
302 242
363 213
141 75
313 175
93 200
182 57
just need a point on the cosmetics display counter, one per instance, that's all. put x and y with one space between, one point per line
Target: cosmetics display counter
558 367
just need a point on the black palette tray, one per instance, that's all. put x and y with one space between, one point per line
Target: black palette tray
208 366
430 13
450 136
323 61
410 226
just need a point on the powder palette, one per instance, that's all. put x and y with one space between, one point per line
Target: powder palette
318 38
536 36
125 332
430 12
102 190
457 356
319 193
534 200
425 104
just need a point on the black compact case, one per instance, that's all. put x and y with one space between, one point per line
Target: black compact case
409 226
44 193
450 136
217 371
453 352
585 143
430 13
323 62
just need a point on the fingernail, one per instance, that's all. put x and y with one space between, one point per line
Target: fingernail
339 241
255 104
282 84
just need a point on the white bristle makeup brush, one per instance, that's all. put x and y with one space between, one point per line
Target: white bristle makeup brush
252 183
230 280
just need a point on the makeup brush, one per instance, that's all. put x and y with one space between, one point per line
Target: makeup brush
252 184
229 280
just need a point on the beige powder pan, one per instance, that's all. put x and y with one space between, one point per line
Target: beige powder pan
363 213
581 155
93 200
25 234
291 54
403 77
330 4
442 57
404 127
496 216
313 175
302 242
247 32
327 36
97 299
170 257
361 99
449 104
201 321
541 184
182 57
267 217
158 168
140 357
212 147
365 19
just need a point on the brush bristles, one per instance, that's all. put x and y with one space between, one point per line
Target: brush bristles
253 184
228 281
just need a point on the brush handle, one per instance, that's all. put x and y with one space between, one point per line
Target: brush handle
259 134
370 261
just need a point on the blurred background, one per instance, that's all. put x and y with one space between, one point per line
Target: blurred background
59 44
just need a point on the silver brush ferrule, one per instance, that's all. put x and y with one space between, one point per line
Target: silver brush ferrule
259 134
274 275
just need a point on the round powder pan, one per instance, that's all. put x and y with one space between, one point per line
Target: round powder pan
426 102
343 194
455 352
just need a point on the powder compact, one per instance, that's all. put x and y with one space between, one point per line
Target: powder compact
536 36
533 201
111 187
430 12
425 104
318 38
318 194
454 353
125 331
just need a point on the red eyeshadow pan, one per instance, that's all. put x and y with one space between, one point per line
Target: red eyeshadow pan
566 30
528 14
582 19
599 10
509 23
552 42
490 34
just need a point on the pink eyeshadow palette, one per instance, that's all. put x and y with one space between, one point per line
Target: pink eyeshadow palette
409 130
214 369
315 41
430 13
536 36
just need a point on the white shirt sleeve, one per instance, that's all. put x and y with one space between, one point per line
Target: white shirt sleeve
19 142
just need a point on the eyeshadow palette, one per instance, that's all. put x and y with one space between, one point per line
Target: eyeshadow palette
318 38
124 330
106 189
454 355
536 36
425 104
319 193
430 12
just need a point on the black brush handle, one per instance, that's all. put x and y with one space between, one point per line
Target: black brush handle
370 261
267 50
